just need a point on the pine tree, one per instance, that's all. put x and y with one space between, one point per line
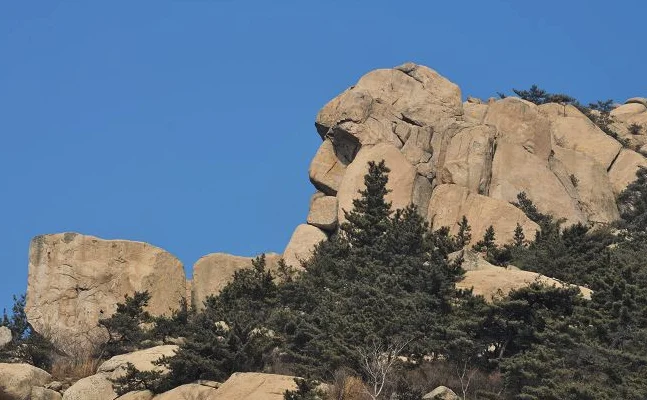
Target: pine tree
464 235
124 327
368 220
519 238
487 243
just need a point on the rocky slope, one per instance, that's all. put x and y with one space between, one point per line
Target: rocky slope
450 158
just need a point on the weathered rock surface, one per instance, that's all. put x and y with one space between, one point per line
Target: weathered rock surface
18 380
329 164
468 160
450 202
93 387
323 212
5 336
401 177
254 386
520 122
75 279
142 360
493 282
582 135
623 171
516 170
413 119
388 105
591 184
138 395
441 393
191 391
212 272
302 243
41 393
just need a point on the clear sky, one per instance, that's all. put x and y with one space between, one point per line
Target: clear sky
188 124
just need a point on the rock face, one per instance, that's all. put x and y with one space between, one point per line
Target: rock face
212 272
5 336
450 202
75 279
323 212
21 381
302 243
473 158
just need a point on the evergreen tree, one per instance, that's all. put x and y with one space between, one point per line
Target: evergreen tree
487 244
519 239
368 220
632 202
124 327
464 235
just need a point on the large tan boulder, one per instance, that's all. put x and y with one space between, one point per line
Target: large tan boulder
449 203
475 112
5 336
191 391
116 367
520 122
212 272
492 282
582 135
93 387
401 178
137 395
302 243
638 100
329 164
76 279
323 212
468 159
254 386
561 110
623 171
591 183
515 170
441 393
41 393
411 107
386 105
18 380
626 110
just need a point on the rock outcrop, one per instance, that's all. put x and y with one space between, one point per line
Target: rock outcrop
302 243
441 393
93 387
254 386
212 272
473 158
116 366
22 381
493 282
5 336
74 280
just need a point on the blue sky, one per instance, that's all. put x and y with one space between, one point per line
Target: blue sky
188 124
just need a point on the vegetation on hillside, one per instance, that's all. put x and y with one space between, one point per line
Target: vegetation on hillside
375 312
